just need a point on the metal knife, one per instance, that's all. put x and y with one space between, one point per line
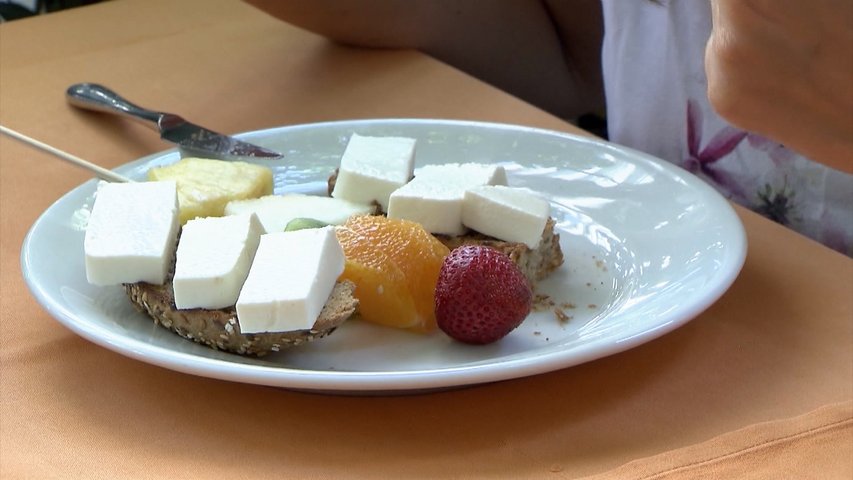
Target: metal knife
192 139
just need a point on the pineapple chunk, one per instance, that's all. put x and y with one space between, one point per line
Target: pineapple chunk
205 186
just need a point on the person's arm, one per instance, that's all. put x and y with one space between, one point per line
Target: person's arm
546 53
784 69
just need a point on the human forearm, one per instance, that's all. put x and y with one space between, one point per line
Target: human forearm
512 44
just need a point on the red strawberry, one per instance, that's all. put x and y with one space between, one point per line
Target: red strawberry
481 295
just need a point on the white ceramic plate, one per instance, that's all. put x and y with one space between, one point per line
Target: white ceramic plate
647 248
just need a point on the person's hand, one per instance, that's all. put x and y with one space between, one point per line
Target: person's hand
784 69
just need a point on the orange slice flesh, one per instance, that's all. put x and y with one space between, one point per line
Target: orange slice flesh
394 264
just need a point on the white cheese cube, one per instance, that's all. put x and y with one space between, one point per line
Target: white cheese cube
131 233
275 211
373 167
290 280
434 197
213 260
506 213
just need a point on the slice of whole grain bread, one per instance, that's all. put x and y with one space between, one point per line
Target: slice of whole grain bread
536 264
220 330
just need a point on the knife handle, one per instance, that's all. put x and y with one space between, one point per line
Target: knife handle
92 96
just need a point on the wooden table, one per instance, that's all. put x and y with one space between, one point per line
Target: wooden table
761 382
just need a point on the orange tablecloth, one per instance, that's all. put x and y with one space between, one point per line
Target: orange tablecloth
760 385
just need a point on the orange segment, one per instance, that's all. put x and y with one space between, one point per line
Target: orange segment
394 264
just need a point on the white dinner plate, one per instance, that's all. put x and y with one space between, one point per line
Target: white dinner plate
647 247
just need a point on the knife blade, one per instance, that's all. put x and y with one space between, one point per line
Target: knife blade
193 140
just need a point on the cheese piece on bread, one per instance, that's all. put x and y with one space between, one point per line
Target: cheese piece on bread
292 276
434 197
131 233
213 259
373 167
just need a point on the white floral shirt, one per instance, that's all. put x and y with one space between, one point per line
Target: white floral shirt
653 61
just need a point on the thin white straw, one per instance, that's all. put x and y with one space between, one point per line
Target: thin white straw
99 171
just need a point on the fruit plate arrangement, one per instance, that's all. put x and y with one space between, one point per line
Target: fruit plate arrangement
647 247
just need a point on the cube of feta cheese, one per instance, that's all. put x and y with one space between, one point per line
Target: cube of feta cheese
213 259
131 233
373 167
506 213
290 280
434 197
